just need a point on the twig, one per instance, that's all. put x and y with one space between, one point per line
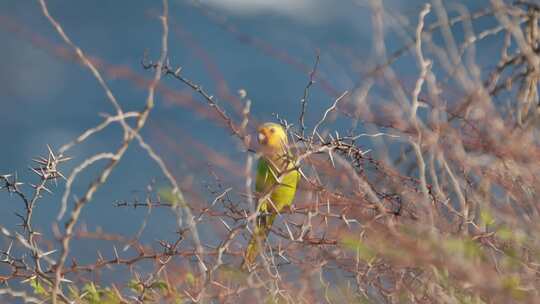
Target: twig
328 111
304 100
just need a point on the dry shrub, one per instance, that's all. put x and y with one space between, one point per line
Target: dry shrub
443 210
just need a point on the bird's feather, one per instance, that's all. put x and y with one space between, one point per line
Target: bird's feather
276 187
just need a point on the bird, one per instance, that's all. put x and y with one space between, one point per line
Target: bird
275 184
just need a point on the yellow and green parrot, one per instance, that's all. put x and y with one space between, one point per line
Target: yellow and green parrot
275 184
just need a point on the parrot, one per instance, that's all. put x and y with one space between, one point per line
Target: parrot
275 184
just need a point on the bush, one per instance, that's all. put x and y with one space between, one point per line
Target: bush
445 210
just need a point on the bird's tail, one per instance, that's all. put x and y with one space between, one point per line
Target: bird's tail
262 228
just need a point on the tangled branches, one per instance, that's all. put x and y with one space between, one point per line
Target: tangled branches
431 196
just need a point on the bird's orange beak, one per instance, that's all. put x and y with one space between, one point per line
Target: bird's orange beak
263 139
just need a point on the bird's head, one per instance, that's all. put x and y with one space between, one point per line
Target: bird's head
272 137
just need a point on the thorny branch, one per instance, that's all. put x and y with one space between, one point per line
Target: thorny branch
454 188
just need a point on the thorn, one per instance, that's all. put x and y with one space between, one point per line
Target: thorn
331 158
8 251
33 277
319 135
225 224
51 153
5 231
62 159
38 173
283 257
346 221
289 230
47 253
116 255
100 257
40 160
46 189
202 263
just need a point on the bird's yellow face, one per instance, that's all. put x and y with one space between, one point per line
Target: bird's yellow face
272 137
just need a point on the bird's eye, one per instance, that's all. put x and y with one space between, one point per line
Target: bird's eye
272 130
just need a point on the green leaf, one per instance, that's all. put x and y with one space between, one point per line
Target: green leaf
504 233
38 287
135 286
110 297
160 285
512 284
190 278
74 292
486 217
92 295
356 245
167 194
464 247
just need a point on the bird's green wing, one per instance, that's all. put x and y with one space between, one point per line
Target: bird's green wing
281 195
282 192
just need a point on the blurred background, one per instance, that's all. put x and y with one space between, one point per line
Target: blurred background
266 48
